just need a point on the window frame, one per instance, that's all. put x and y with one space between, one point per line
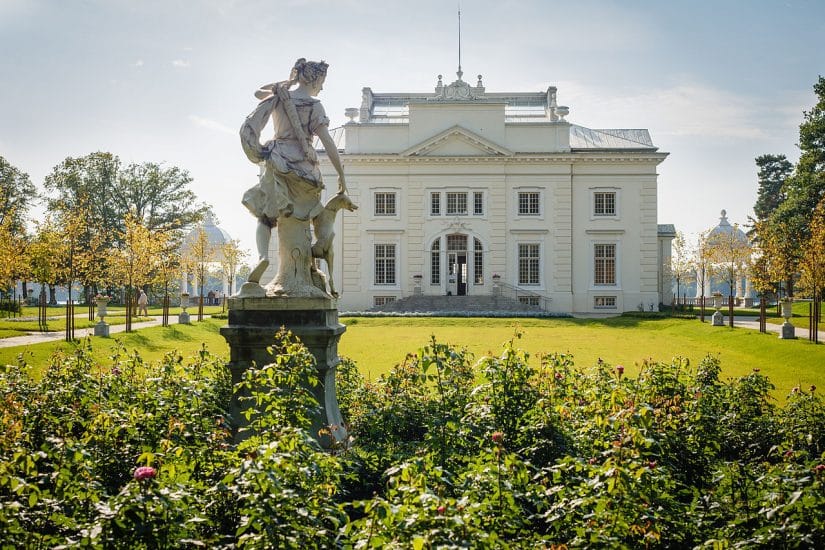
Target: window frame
385 204
527 213
603 260
530 259
616 192
385 259
455 194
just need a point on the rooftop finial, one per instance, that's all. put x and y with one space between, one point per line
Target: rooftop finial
459 72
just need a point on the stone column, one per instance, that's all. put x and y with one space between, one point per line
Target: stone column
253 323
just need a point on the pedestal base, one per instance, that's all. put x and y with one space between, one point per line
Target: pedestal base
253 323
102 329
718 319
183 318
788 331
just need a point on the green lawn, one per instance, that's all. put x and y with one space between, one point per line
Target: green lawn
376 344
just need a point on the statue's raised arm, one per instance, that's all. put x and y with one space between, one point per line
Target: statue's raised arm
288 195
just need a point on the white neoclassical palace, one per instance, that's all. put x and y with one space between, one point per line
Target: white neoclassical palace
468 192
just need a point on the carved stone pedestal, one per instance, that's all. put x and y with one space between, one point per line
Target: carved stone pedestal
253 323
718 319
183 318
102 329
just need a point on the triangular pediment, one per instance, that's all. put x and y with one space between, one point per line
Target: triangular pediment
457 142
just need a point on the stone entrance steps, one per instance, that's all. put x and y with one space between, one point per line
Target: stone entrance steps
426 304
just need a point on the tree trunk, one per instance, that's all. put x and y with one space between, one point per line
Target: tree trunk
52 294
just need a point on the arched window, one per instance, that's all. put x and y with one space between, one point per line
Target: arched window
435 262
478 262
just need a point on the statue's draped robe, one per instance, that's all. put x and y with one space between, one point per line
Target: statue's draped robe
288 194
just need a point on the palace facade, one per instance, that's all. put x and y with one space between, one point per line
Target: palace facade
468 192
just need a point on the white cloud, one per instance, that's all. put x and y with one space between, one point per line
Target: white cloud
210 124
139 63
683 109
180 63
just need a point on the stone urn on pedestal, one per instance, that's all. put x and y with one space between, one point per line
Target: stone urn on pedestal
417 288
101 327
183 318
496 284
788 332
718 319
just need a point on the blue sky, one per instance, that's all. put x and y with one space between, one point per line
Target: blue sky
716 82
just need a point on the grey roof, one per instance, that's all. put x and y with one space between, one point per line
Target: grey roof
666 230
614 138
580 138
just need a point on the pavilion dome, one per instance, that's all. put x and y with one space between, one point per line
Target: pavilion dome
725 228
216 236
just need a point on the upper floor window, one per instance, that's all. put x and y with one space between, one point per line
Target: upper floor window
528 203
604 203
456 204
385 204
604 264
435 204
478 203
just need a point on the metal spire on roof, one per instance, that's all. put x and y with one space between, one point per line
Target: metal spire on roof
460 72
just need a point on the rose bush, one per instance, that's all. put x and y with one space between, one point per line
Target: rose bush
503 452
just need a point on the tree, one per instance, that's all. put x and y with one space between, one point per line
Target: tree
159 196
681 263
16 194
199 253
13 262
231 257
730 254
168 265
46 254
97 184
773 172
134 259
779 244
812 264
702 265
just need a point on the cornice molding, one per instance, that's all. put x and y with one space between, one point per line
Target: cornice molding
562 158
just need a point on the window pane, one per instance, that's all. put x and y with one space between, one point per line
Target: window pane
385 204
604 264
604 204
385 264
528 203
478 263
478 204
528 264
435 263
456 204
435 204
456 243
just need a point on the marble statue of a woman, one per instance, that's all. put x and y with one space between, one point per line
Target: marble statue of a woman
288 195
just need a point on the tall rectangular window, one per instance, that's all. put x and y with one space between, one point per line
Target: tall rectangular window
456 204
435 204
478 203
385 204
435 262
528 203
528 264
478 262
604 204
604 264
385 264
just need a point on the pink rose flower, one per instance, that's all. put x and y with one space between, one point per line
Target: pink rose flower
498 438
144 472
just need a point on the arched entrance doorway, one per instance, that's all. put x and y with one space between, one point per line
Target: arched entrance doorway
457 264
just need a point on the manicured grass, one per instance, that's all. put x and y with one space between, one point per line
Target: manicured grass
377 344
152 343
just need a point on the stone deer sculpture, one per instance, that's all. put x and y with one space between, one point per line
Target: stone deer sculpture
322 225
